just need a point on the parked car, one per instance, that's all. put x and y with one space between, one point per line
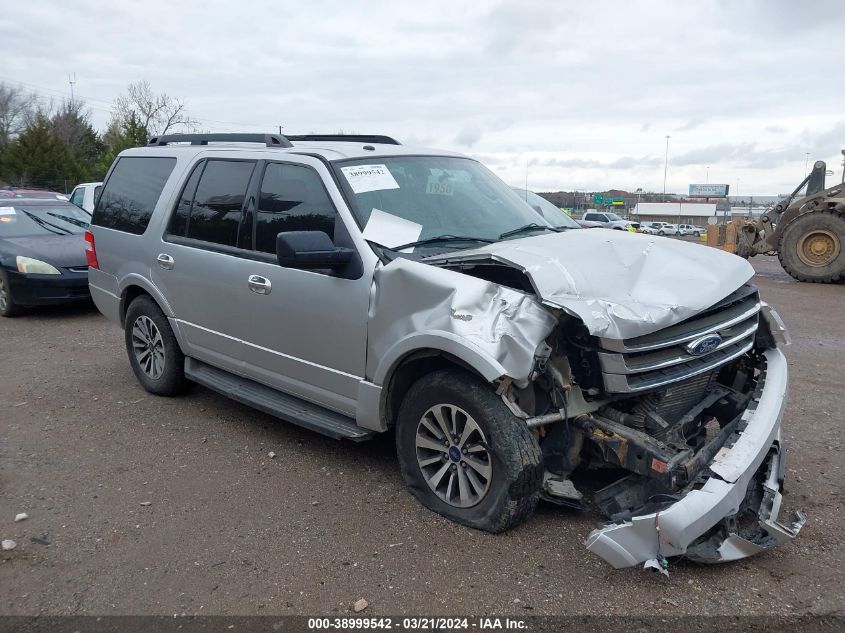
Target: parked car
42 253
668 229
608 219
16 192
546 209
650 228
352 285
85 195
689 229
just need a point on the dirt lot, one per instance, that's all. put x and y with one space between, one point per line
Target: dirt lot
227 530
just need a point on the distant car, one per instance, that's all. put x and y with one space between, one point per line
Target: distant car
85 195
668 229
608 219
546 209
42 253
14 192
689 229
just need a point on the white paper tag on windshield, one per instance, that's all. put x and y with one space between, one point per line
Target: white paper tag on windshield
7 210
363 178
391 230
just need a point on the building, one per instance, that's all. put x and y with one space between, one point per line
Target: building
677 212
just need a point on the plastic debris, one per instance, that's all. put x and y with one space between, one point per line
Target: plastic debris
657 565
271 455
21 516
8 544
146 503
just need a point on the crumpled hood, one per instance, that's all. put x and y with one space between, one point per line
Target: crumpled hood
64 251
620 284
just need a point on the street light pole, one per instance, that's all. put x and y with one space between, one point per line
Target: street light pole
707 178
665 168
806 160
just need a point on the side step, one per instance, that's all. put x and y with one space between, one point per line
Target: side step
288 408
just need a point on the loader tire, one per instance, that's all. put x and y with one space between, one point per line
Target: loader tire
812 247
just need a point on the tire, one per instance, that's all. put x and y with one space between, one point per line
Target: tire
697 234
8 307
503 442
812 247
663 233
162 370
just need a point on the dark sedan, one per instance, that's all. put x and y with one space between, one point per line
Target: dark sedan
42 253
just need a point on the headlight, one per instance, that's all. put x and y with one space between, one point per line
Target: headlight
35 266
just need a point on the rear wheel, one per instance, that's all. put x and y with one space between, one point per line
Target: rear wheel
812 247
8 307
464 455
154 353
662 233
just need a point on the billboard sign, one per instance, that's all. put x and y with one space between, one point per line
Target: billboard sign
708 191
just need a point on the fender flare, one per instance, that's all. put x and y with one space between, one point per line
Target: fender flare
134 279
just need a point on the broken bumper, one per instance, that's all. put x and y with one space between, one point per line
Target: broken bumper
703 523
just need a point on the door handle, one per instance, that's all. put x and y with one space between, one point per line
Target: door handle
165 261
259 284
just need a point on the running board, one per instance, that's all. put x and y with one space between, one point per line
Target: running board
284 406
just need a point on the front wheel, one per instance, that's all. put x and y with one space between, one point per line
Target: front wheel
812 247
8 307
154 352
464 455
697 234
663 233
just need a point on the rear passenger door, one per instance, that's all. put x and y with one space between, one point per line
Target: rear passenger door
202 261
305 332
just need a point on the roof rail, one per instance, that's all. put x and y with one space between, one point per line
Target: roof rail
270 140
349 138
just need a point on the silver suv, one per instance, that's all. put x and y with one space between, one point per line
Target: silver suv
352 285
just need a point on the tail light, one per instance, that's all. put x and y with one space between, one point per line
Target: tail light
91 250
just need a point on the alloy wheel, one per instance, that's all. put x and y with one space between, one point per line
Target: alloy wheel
453 456
148 346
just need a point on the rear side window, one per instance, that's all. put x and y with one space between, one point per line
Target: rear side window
131 192
292 198
216 210
179 221
76 196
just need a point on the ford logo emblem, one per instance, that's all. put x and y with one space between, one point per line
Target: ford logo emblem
703 345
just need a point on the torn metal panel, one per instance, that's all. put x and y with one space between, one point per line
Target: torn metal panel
494 329
620 284
635 541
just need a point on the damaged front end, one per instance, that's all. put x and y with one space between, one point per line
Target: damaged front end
694 429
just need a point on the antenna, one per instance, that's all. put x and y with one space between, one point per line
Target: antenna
71 79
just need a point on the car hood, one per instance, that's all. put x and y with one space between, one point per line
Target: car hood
64 251
620 284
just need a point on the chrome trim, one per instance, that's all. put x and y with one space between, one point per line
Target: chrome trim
617 345
616 363
618 383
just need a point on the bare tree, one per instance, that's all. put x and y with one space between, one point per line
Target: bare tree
17 108
157 113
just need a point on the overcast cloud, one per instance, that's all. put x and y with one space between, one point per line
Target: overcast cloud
581 95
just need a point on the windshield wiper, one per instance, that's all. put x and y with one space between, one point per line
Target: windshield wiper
527 227
47 225
442 238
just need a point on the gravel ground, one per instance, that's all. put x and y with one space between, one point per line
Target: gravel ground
146 505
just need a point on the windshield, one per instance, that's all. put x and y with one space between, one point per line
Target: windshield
422 197
36 219
613 217
550 212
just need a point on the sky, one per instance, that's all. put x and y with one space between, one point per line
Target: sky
561 95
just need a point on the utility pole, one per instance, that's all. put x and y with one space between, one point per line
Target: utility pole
665 168
806 160
707 178
71 79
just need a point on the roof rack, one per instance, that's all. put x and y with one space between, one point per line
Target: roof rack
270 140
349 138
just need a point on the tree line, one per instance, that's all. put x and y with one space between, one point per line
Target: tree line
49 145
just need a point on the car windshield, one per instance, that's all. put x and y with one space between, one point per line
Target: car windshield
613 217
412 198
19 220
550 212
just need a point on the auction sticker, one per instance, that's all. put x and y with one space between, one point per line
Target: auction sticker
7 210
363 178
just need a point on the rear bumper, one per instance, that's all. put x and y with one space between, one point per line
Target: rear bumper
706 524
33 290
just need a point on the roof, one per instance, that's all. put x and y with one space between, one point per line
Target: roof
330 150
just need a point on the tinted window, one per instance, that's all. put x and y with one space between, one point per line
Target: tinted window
131 192
179 221
216 211
76 196
292 199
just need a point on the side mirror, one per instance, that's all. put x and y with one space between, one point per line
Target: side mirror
309 250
